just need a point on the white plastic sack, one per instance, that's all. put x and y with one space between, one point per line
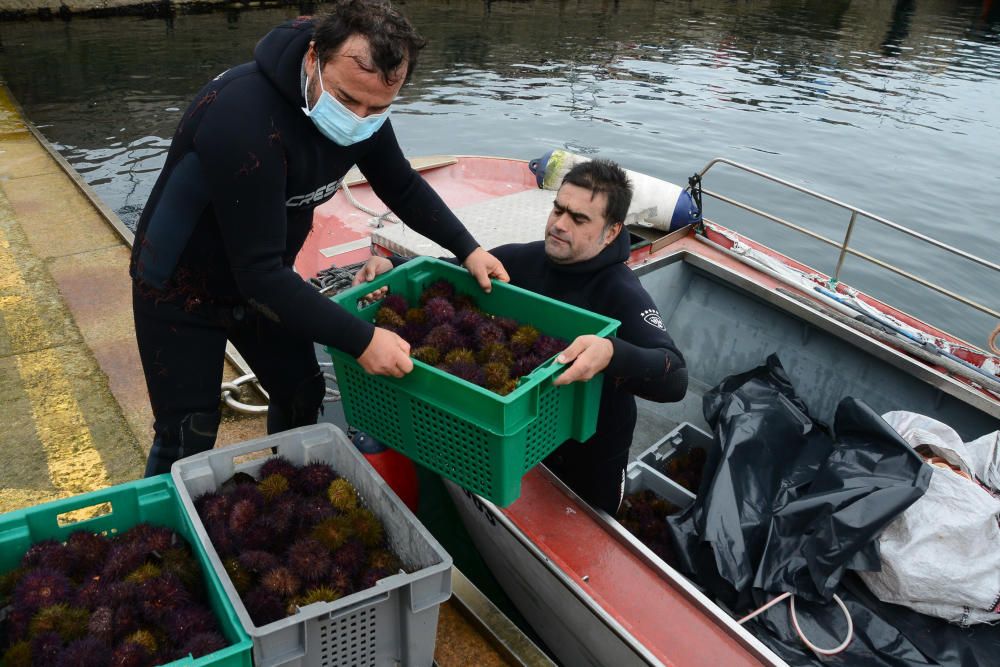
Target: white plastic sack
941 556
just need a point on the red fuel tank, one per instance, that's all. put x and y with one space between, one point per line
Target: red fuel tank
397 470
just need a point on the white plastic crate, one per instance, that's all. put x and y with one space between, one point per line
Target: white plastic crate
679 440
640 477
392 623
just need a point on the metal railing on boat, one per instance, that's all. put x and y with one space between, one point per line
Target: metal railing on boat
845 245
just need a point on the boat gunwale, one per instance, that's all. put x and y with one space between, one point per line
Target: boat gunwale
700 257
617 533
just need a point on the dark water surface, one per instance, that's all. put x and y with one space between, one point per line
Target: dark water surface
891 106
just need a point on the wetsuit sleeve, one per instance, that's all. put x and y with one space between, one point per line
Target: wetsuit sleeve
410 197
646 361
244 163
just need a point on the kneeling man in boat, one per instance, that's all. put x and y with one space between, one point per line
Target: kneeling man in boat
582 262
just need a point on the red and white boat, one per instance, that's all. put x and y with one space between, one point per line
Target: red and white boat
591 591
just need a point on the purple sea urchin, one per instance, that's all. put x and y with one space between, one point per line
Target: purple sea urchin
371 576
333 532
189 621
315 510
84 652
241 578
48 554
264 606
277 465
547 347
413 333
444 337
42 588
241 517
130 654
87 552
489 332
464 303
101 624
281 582
350 557
45 648
162 596
257 562
202 644
313 479
439 311
507 324
396 303
212 507
310 558
467 320
437 289
470 372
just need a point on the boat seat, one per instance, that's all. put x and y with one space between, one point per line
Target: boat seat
515 218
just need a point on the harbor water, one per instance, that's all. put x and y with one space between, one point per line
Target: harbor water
891 106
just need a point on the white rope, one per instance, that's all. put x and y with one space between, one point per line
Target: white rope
992 340
231 391
798 630
378 218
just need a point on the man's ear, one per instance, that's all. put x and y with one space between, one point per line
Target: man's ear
616 229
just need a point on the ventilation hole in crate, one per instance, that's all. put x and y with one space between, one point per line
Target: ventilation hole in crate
349 641
453 446
375 405
540 436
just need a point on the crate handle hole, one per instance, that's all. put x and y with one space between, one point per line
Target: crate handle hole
84 514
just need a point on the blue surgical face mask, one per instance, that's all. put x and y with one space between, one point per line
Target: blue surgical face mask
338 123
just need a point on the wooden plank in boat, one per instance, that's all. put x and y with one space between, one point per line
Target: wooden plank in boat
422 163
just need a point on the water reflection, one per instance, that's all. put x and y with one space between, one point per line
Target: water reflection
890 106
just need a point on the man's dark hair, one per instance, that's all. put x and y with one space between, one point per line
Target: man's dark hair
391 36
604 176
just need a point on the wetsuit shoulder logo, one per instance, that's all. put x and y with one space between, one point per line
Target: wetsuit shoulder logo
315 197
651 316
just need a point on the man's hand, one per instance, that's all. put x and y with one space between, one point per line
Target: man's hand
483 266
386 354
589 355
375 266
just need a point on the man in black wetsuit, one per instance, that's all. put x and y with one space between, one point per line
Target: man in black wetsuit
257 150
582 262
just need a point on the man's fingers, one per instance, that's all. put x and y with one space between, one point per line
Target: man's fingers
571 374
570 353
406 366
500 273
483 278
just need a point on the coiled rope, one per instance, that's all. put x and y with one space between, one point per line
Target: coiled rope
798 630
329 280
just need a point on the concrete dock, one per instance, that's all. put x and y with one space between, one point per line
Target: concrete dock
74 413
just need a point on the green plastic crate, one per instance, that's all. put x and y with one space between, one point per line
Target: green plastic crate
153 500
482 441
